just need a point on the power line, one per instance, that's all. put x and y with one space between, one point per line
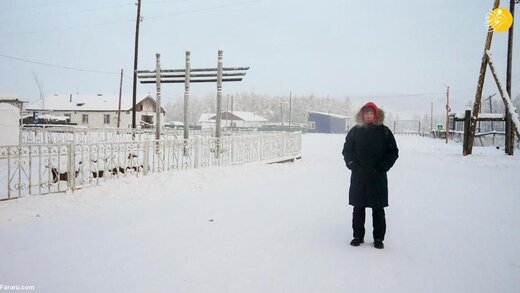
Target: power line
36 6
417 94
57 66
132 20
204 9
66 14
406 95
66 29
165 1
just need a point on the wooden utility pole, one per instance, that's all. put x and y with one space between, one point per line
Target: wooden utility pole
219 98
491 108
187 73
136 54
290 109
281 115
478 96
510 131
120 93
447 112
431 117
158 96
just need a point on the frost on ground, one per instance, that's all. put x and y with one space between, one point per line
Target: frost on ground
452 225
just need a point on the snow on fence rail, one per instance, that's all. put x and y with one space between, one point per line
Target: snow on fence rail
49 168
35 135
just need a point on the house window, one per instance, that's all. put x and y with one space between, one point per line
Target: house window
147 121
312 125
84 118
106 118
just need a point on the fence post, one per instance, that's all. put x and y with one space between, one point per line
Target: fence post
465 147
196 149
146 154
71 175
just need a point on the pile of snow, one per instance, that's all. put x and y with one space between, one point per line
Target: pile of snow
276 228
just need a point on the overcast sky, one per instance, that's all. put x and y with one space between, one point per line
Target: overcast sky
362 49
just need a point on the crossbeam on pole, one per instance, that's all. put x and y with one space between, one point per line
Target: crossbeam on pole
192 80
192 75
195 70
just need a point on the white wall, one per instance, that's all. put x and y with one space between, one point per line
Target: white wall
9 125
96 119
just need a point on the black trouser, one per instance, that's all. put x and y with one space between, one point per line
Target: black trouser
378 221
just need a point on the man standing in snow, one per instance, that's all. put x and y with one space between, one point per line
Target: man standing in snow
369 151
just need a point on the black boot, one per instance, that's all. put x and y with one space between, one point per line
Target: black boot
356 241
379 244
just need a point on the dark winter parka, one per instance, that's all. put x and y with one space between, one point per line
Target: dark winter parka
369 151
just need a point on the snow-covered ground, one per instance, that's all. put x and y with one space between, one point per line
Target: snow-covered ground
452 227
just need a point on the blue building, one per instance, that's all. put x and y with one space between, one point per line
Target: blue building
327 123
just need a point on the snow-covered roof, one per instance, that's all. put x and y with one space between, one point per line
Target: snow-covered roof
4 98
492 115
330 114
100 102
248 116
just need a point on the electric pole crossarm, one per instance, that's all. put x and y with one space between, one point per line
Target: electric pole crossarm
192 75
195 70
192 81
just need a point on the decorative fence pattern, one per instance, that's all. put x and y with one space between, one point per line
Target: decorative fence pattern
49 168
43 135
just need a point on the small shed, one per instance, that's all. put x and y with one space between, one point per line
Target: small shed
9 124
321 122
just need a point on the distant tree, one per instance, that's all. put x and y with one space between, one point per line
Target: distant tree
41 90
262 104
426 123
516 102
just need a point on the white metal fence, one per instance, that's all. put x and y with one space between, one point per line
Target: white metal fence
43 135
56 167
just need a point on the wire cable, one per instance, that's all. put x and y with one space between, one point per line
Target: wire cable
65 14
204 9
57 66
36 6
131 20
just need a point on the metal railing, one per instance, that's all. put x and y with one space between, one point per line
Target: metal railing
59 135
49 168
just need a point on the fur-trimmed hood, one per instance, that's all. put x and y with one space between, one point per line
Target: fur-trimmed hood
378 121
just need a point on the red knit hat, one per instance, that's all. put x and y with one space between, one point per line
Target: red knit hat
371 105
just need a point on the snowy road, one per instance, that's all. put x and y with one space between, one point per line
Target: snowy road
452 227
